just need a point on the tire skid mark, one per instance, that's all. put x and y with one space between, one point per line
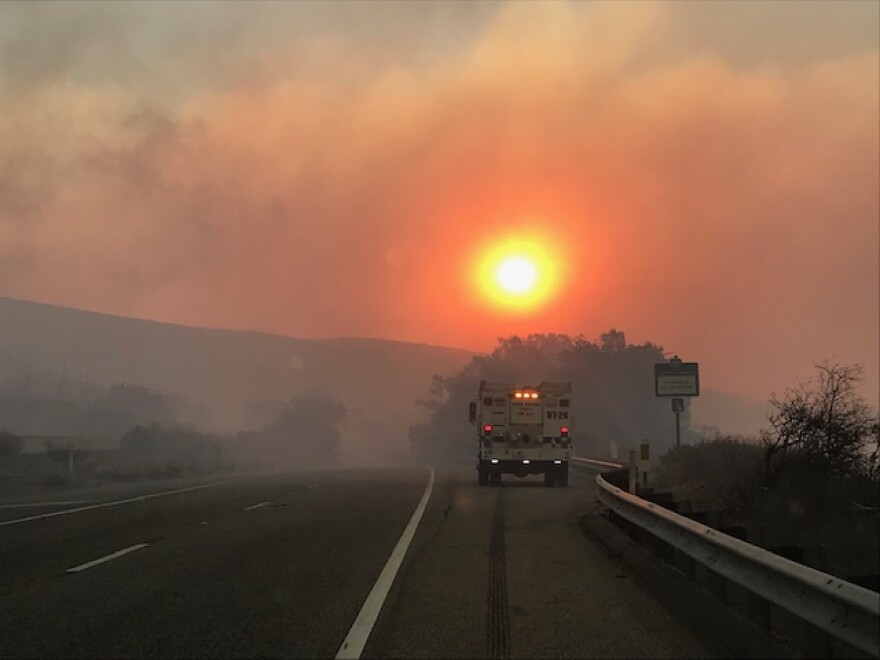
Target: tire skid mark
497 613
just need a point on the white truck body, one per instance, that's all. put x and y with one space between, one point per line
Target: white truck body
523 430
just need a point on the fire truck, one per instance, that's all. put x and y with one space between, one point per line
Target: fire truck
523 430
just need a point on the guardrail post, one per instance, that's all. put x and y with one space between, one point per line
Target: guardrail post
644 463
633 471
817 643
685 564
760 612
717 584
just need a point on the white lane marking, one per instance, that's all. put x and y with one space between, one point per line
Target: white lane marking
256 506
312 486
31 504
115 555
102 505
356 639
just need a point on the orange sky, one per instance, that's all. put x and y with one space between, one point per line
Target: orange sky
706 174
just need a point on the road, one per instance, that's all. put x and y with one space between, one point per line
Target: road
281 565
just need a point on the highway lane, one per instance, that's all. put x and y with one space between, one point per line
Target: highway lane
280 580
34 548
281 565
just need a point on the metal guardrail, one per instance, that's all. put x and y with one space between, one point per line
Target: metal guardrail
844 610
593 462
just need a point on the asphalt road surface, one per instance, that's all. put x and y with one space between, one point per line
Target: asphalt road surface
281 565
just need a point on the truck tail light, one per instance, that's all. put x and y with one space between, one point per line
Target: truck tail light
487 428
564 431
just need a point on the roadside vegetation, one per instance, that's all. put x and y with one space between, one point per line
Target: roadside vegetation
304 435
811 479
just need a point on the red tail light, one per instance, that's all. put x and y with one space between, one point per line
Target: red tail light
564 430
487 428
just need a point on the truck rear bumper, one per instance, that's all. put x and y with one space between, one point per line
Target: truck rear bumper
519 455
521 467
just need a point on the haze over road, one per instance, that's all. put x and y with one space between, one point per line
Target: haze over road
281 565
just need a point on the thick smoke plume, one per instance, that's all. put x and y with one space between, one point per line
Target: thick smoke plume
708 172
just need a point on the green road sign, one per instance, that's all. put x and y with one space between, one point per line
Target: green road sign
676 378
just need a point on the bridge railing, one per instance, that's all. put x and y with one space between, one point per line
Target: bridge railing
843 610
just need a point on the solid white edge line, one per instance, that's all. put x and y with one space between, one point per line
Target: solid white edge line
129 500
356 639
256 506
114 555
23 505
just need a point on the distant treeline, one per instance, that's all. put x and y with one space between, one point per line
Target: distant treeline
305 435
613 394
104 412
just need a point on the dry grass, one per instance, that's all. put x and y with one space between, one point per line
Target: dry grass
834 519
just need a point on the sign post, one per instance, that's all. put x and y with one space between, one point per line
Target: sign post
677 429
677 379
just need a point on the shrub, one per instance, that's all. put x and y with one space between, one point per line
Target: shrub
823 426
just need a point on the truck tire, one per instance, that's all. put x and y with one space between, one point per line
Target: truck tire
483 476
562 476
495 478
550 478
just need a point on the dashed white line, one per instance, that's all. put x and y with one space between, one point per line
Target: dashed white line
310 486
115 555
256 506
356 639
102 505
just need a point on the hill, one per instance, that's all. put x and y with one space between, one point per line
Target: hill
223 380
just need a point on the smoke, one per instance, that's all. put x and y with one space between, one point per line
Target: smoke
322 170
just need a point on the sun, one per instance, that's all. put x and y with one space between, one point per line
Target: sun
517 273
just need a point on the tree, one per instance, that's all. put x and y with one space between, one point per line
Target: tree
306 434
613 340
825 423
613 401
